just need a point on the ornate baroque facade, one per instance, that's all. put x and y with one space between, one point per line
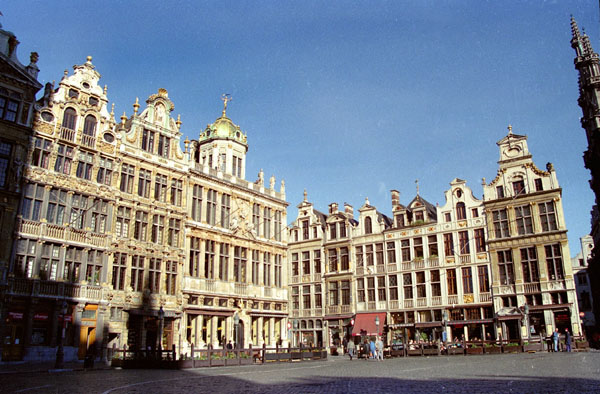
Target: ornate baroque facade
143 243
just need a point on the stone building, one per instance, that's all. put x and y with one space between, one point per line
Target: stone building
587 64
533 286
583 284
125 239
18 87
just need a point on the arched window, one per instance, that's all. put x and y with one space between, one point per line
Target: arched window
69 119
89 126
461 211
368 226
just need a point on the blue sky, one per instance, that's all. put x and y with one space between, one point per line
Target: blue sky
347 99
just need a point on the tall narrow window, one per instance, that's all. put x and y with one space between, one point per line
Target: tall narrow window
144 179
105 171
176 191
69 119
359 256
467 280
463 242
255 267
379 254
256 218
333 260
448 245
461 211
345 292
163 146
529 264
148 140
295 268
141 226
277 225
451 281
332 230
195 257
554 262
89 131
137 273
306 297
171 277
391 252
306 263
484 279
211 207
267 269
421 287
79 209
408 289
127 175
436 288
547 216
333 294
57 205
405 244
240 260
523 219
160 187
479 240
41 153
433 246
99 219
225 210
500 220
64 159
197 203
360 289
267 223
224 262
209 259
393 285
84 165
344 259
317 261
506 267
154 275
174 230
278 271
518 187
158 229
119 268
368 225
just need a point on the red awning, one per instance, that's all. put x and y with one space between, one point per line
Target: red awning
364 324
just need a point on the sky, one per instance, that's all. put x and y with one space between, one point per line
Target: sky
346 99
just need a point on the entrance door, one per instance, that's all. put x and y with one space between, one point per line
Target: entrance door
87 340
12 349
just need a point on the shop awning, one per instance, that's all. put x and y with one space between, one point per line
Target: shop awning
364 324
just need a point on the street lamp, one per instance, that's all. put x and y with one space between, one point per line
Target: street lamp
526 320
236 322
60 352
161 322
377 324
444 323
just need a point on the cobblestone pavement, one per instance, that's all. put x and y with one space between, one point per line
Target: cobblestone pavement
510 373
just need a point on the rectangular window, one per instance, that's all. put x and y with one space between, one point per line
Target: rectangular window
225 210
369 254
99 219
479 240
529 264
8 107
333 294
484 279
547 216
105 170
379 254
57 205
405 248
277 225
160 187
211 207
451 281
25 258
432 245
418 247
148 140
144 179
295 268
42 149
171 277
305 263
255 267
267 223
317 261
342 230
421 287
360 289
538 185
240 261
209 259
518 187
295 297
224 262
467 280
391 252
119 269
267 269
256 218
393 285
49 262
237 167
436 288
127 175
64 159
122 223
176 191
174 230
345 292
84 165
73 262
345 259
164 143
332 230
554 262
523 219
408 290
197 203
506 267
448 245
500 191
463 242
79 208
195 257
500 220
137 273
154 275
158 229
359 256
306 297
318 297
140 227
333 260
278 270
475 212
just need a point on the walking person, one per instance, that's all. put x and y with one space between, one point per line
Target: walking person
351 348
379 346
555 337
372 348
567 339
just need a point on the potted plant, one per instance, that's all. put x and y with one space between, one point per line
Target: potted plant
531 347
512 347
582 344
307 354
491 348
474 349
455 350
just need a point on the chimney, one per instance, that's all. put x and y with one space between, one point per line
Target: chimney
349 210
395 198
333 207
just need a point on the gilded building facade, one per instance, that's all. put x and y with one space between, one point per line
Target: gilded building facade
126 239
18 87
533 286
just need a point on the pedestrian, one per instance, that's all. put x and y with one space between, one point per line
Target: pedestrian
372 348
229 345
379 346
555 336
351 348
345 344
567 339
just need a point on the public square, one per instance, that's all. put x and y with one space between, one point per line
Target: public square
514 373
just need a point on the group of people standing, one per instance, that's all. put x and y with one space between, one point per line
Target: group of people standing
556 338
373 349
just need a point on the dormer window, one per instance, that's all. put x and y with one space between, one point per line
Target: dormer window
73 93
519 187
500 191
368 225
399 220
342 230
419 216
333 230
93 101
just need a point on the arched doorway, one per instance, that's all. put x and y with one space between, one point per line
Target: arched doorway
239 334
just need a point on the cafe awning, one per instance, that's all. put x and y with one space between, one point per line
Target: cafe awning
364 324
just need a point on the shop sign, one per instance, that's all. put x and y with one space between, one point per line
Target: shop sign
15 315
40 316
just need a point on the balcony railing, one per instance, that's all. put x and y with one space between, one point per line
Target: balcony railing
437 300
453 299
464 259
421 302
485 297
406 266
88 140
556 285
419 263
46 230
371 305
241 289
531 288
408 303
394 304
67 134
333 310
295 279
433 262
54 289
305 278
392 267
346 309
360 271
380 268
316 277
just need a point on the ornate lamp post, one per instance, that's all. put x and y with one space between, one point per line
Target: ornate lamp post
60 352
161 326
526 320
377 324
236 322
445 324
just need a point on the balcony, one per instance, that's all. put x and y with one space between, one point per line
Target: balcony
306 278
464 259
529 288
392 267
419 263
433 262
360 271
381 269
53 289
453 299
88 140
394 304
556 285
316 277
209 285
67 134
295 279
421 302
307 313
52 231
408 303
437 300
241 289
371 305
485 297
406 266
333 310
